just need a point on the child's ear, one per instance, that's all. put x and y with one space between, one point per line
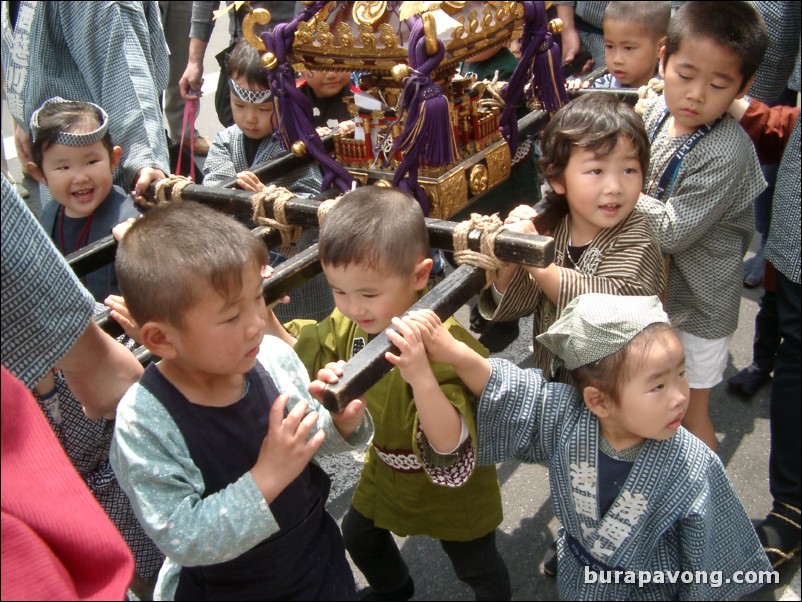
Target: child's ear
557 185
597 401
159 339
662 65
421 275
36 173
115 157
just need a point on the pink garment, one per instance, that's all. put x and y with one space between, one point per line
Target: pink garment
58 543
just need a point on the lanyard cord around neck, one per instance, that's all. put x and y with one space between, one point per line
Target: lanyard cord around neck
669 175
83 235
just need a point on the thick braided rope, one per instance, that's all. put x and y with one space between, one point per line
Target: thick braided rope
173 184
646 93
490 226
279 197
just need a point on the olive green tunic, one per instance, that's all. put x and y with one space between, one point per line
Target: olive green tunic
456 501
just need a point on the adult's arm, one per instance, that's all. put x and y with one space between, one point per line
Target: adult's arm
200 31
47 317
769 128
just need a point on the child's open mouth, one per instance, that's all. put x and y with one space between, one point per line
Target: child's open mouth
84 196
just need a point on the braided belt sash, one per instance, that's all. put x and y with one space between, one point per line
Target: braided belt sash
454 474
401 460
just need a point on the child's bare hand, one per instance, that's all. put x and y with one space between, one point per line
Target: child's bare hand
247 180
287 448
412 361
327 375
119 312
524 226
267 272
576 83
521 212
120 229
351 416
441 346
346 127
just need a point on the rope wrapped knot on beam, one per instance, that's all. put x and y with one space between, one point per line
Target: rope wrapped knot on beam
489 226
277 197
169 189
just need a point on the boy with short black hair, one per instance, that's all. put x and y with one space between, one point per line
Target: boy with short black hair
213 445
703 178
374 249
251 139
634 32
633 35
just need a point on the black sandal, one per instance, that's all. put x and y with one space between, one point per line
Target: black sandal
780 533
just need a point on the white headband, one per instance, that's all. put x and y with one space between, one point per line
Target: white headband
252 96
70 138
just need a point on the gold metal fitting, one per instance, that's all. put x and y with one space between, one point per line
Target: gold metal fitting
478 179
259 16
556 26
269 61
382 183
401 72
430 31
298 148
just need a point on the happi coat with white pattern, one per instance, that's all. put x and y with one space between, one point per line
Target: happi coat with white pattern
677 510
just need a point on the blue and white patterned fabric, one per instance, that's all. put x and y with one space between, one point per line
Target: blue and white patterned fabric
705 222
110 53
227 158
783 243
677 510
45 307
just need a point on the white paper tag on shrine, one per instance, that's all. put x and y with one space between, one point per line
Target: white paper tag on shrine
365 101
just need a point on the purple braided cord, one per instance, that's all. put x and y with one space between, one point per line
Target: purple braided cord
428 136
295 110
537 46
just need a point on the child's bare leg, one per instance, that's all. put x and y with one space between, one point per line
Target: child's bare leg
697 418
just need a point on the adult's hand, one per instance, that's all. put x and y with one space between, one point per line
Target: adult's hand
22 141
192 80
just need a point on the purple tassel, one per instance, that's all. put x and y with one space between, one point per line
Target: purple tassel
428 137
541 53
294 109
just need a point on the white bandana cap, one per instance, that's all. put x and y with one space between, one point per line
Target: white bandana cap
594 325
252 96
70 138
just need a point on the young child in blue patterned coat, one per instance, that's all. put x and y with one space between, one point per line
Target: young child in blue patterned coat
647 510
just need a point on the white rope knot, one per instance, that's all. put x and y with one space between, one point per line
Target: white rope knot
279 197
169 189
490 226
651 90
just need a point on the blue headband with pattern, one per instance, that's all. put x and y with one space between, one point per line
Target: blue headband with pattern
252 96
70 138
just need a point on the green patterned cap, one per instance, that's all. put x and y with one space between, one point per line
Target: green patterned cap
594 325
